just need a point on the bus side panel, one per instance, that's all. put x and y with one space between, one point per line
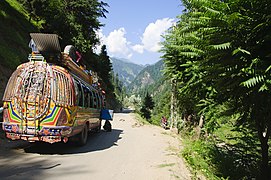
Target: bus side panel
90 116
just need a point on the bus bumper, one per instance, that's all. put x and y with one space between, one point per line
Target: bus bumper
30 134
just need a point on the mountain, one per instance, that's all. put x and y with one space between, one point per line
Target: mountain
126 70
149 77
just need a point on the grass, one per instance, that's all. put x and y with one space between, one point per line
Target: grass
14 34
166 165
196 154
19 7
226 154
10 59
140 119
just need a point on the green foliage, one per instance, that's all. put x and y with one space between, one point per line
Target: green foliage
17 6
134 102
194 153
231 152
147 106
219 54
151 79
75 21
118 90
9 55
254 81
217 162
105 69
14 34
162 106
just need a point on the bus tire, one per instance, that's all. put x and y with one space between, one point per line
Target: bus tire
83 136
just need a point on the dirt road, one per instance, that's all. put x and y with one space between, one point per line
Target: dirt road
130 151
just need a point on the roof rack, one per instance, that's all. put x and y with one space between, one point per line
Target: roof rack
36 57
46 43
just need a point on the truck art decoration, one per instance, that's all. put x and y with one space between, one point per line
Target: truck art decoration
50 98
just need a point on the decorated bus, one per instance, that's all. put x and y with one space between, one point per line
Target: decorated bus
51 98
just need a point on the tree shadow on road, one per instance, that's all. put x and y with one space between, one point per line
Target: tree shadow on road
96 142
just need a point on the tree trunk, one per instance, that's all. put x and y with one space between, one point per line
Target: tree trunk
171 111
201 120
198 129
264 165
264 174
173 104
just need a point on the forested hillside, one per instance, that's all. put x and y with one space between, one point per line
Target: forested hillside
147 78
14 39
125 70
151 80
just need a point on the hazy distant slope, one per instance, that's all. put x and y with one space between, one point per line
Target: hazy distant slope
149 76
127 71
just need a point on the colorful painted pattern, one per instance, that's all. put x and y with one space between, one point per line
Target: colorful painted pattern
41 105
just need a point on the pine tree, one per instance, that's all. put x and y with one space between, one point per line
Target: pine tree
147 106
105 69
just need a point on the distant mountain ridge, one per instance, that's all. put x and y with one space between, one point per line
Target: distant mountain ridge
126 70
149 76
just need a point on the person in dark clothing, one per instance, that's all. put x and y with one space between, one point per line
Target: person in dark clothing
107 126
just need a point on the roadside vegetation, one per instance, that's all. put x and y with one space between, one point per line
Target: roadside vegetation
218 57
216 88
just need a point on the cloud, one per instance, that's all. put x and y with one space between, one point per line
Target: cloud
138 48
152 36
116 43
102 38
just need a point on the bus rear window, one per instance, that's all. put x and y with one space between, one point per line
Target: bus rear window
63 92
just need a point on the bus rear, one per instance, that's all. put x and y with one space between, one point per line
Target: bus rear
39 103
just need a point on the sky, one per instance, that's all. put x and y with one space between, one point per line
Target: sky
133 28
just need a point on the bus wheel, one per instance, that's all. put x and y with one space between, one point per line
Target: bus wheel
83 136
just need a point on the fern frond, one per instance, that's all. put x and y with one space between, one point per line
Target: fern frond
253 81
240 50
192 48
208 29
222 46
190 35
212 10
263 88
189 54
268 69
